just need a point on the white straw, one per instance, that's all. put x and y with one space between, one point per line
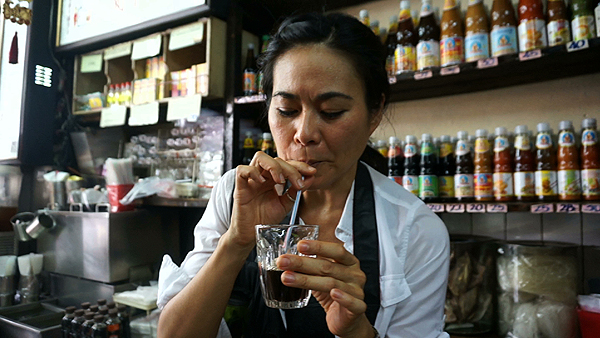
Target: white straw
288 235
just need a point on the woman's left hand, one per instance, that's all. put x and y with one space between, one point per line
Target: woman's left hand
336 280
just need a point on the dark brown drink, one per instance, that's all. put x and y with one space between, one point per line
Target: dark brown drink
275 290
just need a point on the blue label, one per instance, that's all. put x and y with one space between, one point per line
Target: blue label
504 41
477 46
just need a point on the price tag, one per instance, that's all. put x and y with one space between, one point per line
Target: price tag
117 51
542 208
497 208
184 107
146 48
113 116
574 46
450 70
392 79
436 207
487 63
455 208
568 208
590 208
186 36
476 207
91 63
143 114
530 55
423 75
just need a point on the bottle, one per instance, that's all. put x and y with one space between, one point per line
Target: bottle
86 326
504 29
94 308
590 161
569 181
113 324
110 97
104 312
65 325
503 167
447 165
391 43
428 48
532 28
395 160
124 317
477 41
382 148
406 49
482 180
85 306
101 304
248 149
111 306
383 33
364 17
250 72
583 20
99 328
410 179
117 94
524 178
267 144
375 27
545 171
558 23
125 97
452 39
463 179
428 180
75 331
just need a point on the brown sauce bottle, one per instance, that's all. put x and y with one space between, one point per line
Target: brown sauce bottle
524 177
452 39
503 36
569 180
482 180
406 49
590 161
558 29
503 167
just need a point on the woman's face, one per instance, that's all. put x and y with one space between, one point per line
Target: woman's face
318 113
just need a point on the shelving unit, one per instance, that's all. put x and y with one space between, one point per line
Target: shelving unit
536 207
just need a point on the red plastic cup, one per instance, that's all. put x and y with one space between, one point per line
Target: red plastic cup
115 194
589 322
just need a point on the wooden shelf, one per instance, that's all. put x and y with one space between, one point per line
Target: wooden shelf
174 202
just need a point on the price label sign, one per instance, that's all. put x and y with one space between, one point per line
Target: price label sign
455 208
590 208
450 70
436 207
567 208
423 75
487 63
392 79
542 208
476 207
530 55
497 208
575 46
113 116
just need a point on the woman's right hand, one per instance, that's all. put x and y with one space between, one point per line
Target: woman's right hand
255 199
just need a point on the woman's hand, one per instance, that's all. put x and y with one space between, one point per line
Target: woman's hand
255 199
337 283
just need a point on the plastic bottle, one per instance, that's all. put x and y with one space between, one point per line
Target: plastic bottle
583 25
558 23
382 148
248 149
428 48
463 179
391 43
364 17
452 38
99 328
86 326
113 324
395 160
267 144
482 180
65 326
75 331
410 179
447 165
250 72
428 180
477 40
124 317
532 27
503 167
569 180
590 160
545 173
524 177
406 49
503 37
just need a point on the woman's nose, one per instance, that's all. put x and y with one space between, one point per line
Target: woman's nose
307 128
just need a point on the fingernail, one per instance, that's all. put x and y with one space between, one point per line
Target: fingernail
312 168
283 262
262 179
300 183
335 293
281 179
289 277
303 246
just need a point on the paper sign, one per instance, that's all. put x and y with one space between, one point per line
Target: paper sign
574 46
450 70
184 107
487 63
113 116
476 207
497 208
568 208
435 207
146 48
117 51
542 208
530 55
455 208
143 114
186 36
590 208
91 63
423 75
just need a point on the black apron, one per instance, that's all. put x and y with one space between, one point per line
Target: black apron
310 320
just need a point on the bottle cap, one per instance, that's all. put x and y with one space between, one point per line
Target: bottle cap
481 133
111 305
266 37
562 125
589 123
104 311
364 13
122 308
102 301
445 139
522 129
99 318
375 23
89 316
113 312
394 18
391 140
249 134
250 46
70 309
94 308
405 4
426 138
500 131
383 31
267 136
79 313
543 127
411 139
462 135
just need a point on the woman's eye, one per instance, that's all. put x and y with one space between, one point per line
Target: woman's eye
286 112
332 114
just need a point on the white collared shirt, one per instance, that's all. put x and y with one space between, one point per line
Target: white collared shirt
414 253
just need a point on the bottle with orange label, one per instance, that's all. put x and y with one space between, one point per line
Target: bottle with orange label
503 167
452 39
590 161
524 177
395 160
477 42
503 37
447 171
406 48
569 181
410 179
463 179
250 87
532 27
428 48
558 23
545 174
482 179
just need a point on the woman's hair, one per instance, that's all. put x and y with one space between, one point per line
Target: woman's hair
342 33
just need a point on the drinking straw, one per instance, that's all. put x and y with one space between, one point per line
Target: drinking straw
288 235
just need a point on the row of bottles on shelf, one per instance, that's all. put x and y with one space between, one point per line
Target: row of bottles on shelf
264 144
454 40
119 94
101 320
500 167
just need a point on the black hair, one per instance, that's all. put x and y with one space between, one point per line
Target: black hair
340 32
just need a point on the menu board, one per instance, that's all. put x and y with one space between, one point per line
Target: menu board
83 19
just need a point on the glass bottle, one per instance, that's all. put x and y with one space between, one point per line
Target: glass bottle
250 72
428 48
558 23
406 49
590 160
395 160
452 35
503 166
545 173
463 179
503 37
569 180
482 179
410 179
428 180
477 41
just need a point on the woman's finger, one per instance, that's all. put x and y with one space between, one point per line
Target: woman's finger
245 172
335 251
346 300
320 283
320 267
270 165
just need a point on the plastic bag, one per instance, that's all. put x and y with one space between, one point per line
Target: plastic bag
163 187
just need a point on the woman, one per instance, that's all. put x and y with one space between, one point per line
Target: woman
382 255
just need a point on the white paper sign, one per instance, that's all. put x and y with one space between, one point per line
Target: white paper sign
117 51
542 208
113 116
423 75
568 208
497 208
487 63
530 55
590 208
143 114
91 63
450 70
436 207
184 107
186 36
574 46
146 48
476 207
455 208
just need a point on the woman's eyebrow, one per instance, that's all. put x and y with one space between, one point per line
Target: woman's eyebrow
321 97
286 95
